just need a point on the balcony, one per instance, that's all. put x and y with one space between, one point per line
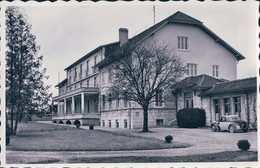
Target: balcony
71 91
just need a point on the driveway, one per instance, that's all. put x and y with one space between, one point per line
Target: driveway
203 141
199 138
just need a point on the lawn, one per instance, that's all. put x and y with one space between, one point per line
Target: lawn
228 156
35 136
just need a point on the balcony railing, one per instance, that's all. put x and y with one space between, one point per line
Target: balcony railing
72 88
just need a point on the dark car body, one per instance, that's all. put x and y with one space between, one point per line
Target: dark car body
230 123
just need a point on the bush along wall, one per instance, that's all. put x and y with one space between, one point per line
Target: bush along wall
191 118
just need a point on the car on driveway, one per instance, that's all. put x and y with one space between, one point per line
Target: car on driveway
231 123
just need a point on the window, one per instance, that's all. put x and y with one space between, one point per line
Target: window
227 107
87 69
188 100
182 43
117 123
158 98
109 75
216 71
237 104
87 83
103 123
95 63
159 122
125 123
110 101
103 102
103 77
137 114
109 123
117 101
217 108
95 81
75 75
87 105
80 72
95 105
70 77
192 69
125 100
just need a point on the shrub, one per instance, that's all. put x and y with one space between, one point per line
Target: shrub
77 125
168 138
243 145
191 118
91 127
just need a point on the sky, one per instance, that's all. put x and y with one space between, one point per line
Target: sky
68 32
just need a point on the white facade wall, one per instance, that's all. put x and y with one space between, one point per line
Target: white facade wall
202 49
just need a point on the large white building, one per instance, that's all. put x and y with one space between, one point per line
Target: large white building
83 94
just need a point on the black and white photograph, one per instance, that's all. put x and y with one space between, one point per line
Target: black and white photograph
130 82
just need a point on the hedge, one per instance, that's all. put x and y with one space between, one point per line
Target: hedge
191 118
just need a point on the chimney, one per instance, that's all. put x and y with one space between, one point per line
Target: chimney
123 36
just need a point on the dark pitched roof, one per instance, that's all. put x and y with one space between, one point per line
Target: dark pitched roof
108 49
62 83
232 86
179 18
196 82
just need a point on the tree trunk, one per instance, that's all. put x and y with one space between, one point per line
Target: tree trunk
145 122
12 120
16 122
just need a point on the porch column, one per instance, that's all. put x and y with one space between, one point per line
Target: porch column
222 106
73 105
232 106
65 106
58 106
82 102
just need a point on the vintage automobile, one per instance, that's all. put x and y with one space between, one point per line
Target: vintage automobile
231 123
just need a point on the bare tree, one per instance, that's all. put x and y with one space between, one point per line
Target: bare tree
144 72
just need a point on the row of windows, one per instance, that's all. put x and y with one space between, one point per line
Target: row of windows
159 122
116 123
110 100
103 77
158 100
79 75
192 70
227 106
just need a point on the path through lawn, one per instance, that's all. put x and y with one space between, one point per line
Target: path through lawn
35 136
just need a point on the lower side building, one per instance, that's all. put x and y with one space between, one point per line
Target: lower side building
218 97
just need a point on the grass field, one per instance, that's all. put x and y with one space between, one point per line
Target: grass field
229 156
49 137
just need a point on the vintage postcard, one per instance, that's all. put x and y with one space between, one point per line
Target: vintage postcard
129 84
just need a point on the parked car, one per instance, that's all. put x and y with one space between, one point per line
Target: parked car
231 123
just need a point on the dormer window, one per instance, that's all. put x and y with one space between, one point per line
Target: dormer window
183 43
80 72
75 75
87 68
69 77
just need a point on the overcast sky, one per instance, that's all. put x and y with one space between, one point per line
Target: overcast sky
66 33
